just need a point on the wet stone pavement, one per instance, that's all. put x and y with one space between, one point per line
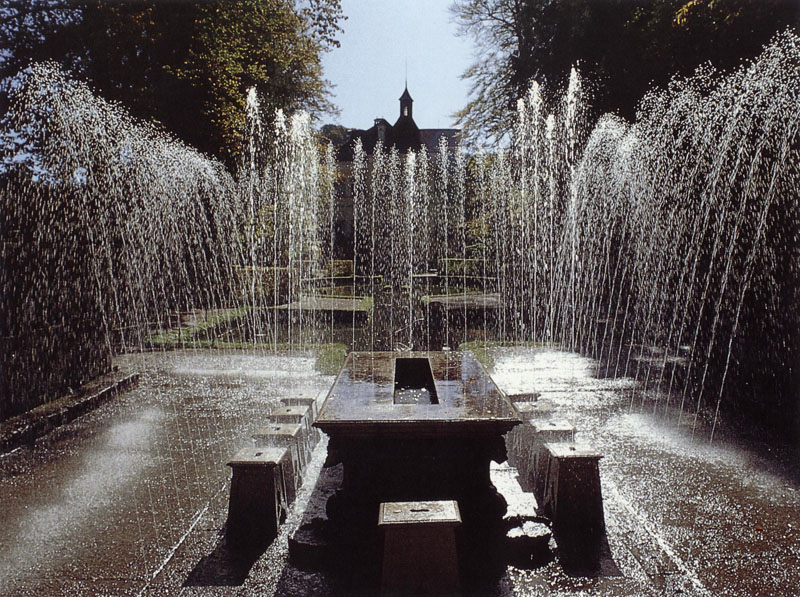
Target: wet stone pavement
683 516
131 498
111 503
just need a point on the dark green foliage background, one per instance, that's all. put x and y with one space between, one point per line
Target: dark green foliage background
623 48
185 65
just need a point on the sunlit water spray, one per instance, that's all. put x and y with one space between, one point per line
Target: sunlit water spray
666 248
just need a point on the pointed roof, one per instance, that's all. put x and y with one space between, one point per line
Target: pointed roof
406 95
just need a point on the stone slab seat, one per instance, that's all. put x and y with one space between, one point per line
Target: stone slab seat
296 413
519 442
292 413
287 413
258 498
309 402
525 448
292 437
524 397
527 410
545 431
419 547
572 497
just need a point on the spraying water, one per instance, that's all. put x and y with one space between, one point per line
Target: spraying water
667 247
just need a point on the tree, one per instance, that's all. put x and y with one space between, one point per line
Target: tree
185 65
334 133
623 47
262 43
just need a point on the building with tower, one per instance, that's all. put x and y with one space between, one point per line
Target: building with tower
403 135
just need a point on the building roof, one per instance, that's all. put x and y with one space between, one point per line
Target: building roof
403 135
432 137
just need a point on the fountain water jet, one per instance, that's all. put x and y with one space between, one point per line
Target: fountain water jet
665 247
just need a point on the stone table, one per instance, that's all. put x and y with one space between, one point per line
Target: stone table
416 426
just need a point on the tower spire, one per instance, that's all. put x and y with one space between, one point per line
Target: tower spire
405 103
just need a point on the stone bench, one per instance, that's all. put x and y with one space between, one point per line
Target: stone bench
525 448
524 397
311 403
572 497
528 544
297 413
540 408
548 431
258 498
292 413
292 437
419 547
520 440
311 416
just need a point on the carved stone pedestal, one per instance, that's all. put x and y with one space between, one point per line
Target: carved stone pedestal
394 449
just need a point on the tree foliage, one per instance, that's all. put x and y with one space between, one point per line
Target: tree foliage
334 133
186 65
623 47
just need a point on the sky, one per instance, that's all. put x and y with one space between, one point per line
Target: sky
368 70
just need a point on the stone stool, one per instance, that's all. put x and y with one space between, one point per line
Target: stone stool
573 499
524 397
291 437
297 413
541 408
528 544
311 403
528 410
419 550
258 503
519 440
550 431
554 430
292 413
313 412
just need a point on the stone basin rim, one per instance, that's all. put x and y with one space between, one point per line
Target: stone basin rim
419 427
468 397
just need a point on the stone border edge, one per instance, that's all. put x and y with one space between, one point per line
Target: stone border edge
27 427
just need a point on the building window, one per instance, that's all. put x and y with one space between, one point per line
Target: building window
405 110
